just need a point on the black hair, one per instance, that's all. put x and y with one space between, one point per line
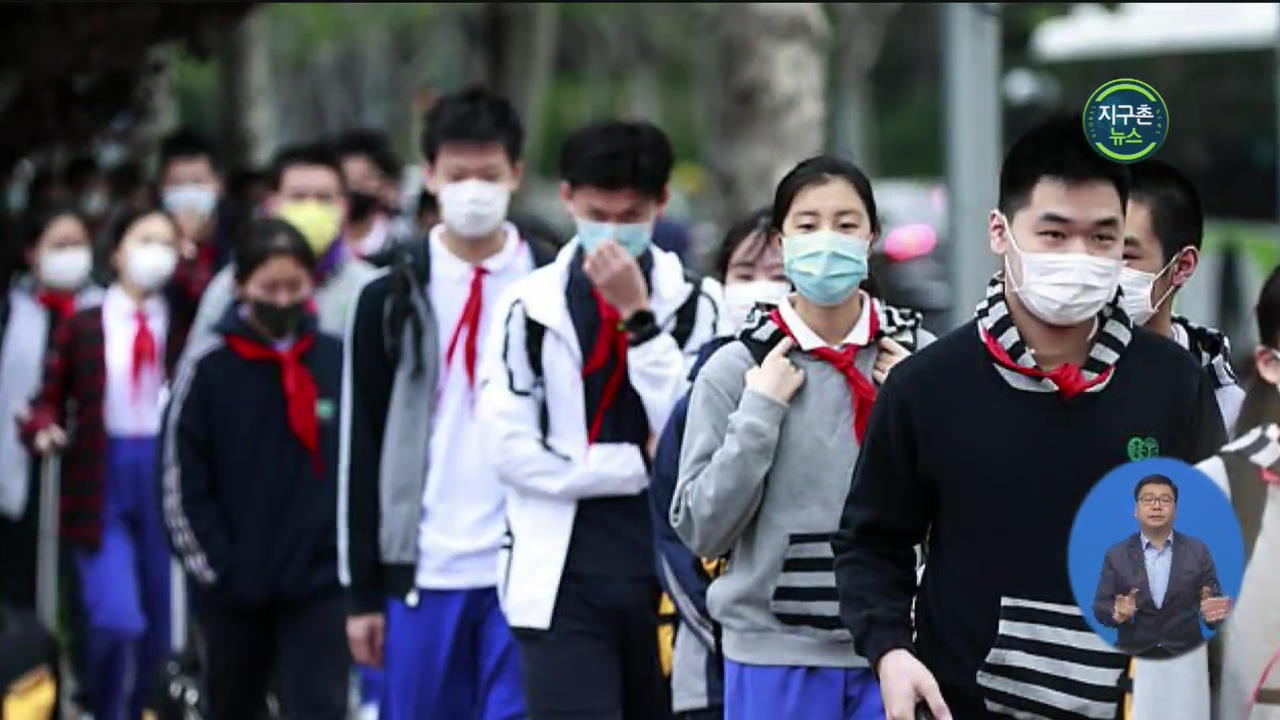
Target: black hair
821 170
1055 149
125 178
427 202
1156 479
755 224
78 170
1261 402
37 219
618 155
373 145
473 115
267 238
120 227
1176 214
306 154
186 143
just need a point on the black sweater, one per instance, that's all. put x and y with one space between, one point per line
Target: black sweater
995 475
246 513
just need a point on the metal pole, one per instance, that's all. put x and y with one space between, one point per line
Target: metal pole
47 547
973 138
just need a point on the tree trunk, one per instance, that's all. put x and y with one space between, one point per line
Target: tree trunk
246 98
860 30
771 110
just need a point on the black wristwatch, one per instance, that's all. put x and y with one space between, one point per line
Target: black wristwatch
641 327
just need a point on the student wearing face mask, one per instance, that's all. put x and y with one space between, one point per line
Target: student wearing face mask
420 532
751 269
591 354
1248 679
371 173
309 192
105 379
1163 228
55 261
267 387
759 484
190 188
986 443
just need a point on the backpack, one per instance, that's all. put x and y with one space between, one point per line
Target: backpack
686 317
410 270
28 665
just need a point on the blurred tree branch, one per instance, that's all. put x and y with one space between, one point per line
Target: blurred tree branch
69 70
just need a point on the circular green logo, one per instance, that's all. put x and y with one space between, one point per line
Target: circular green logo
1143 448
1126 120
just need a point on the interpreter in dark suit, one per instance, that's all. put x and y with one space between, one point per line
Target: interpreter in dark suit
1156 585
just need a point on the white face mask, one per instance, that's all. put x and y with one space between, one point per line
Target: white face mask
193 198
150 265
472 209
741 297
65 268
1062 289
1137 286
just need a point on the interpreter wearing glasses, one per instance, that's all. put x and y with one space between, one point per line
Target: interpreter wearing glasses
1155 585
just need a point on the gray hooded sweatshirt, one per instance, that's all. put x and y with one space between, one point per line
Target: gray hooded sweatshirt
765 483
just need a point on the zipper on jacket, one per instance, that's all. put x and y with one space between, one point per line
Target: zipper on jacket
411 599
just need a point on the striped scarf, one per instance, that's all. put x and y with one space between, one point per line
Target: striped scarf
996 328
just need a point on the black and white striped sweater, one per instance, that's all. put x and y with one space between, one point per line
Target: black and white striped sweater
993 465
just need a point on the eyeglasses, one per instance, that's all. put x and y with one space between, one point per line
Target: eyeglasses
1150 500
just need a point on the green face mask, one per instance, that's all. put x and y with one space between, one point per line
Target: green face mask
318 222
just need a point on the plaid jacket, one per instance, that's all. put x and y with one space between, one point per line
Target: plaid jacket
74 390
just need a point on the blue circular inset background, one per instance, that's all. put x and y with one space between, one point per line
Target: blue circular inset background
1126 120
1106 518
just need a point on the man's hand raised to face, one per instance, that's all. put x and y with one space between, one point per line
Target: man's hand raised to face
617 276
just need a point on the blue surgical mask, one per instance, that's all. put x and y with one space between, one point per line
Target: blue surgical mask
633 237
826 267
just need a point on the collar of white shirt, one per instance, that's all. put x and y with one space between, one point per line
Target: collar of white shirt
1167 543
807 339
455 268
117 303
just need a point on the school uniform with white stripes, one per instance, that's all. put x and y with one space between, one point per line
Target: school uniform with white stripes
762 481
974 446
249 491
568 418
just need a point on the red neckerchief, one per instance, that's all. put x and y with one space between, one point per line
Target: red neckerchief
470 321
1270 477
861 389
300 392
611 343
144 351
1067 376
61 304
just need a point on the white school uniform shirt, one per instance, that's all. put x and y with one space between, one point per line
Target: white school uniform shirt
807 339
127 413
463 512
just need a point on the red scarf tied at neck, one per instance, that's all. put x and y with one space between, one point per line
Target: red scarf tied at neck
61 304
300 392
1067 377
611 343
861 389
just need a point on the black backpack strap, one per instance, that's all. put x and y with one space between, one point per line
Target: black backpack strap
410 273
759 344
534 335
687 314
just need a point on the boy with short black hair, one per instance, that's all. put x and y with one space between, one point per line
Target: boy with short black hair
985 444
1163 230
581 377
420 507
